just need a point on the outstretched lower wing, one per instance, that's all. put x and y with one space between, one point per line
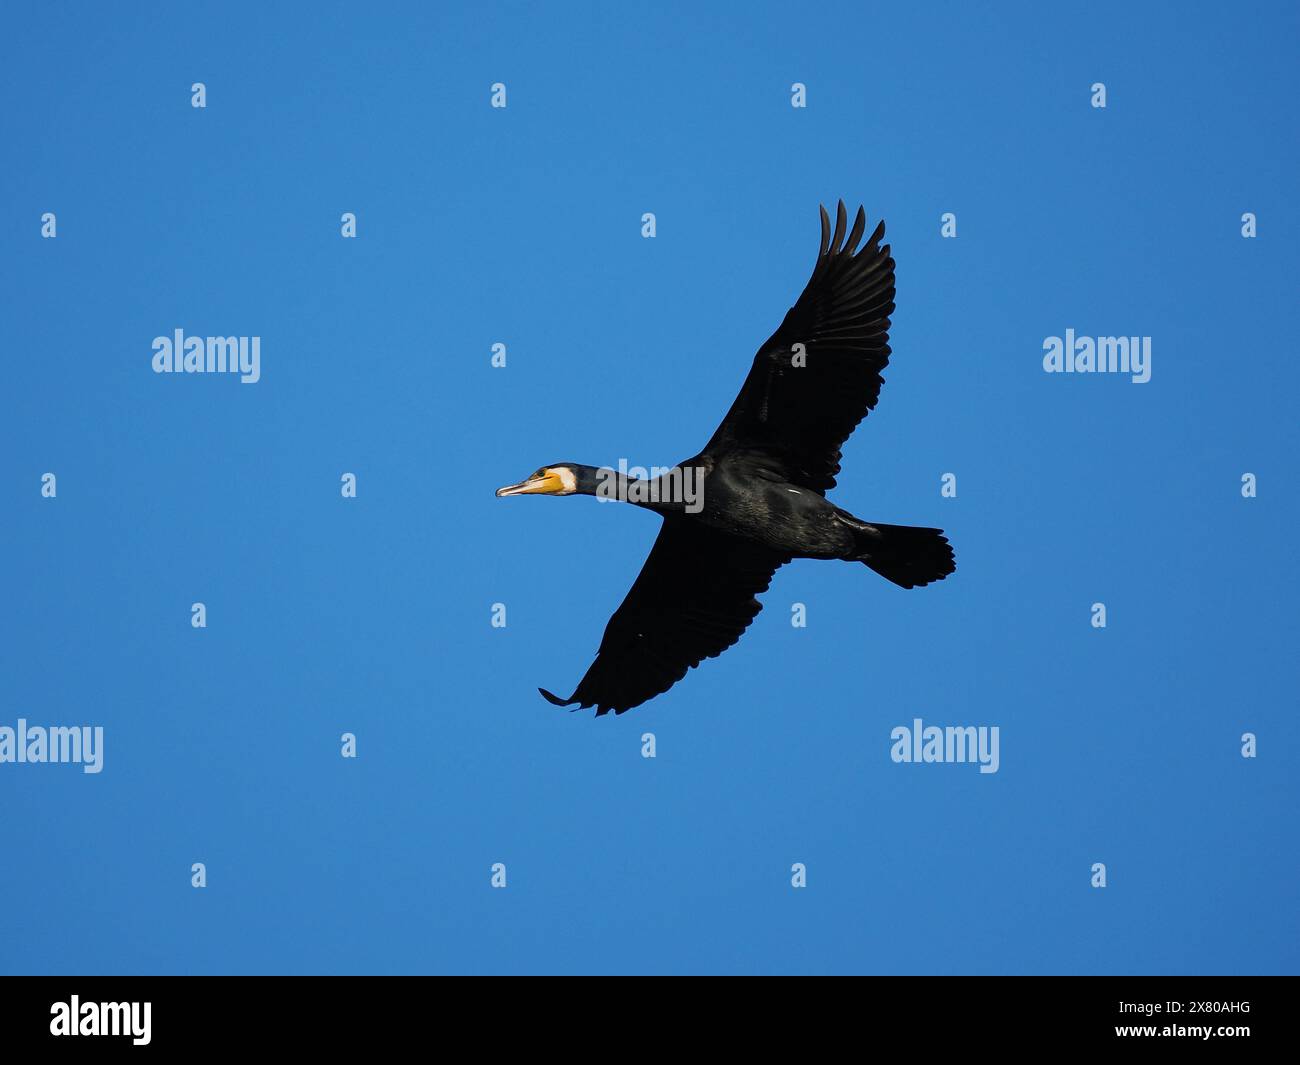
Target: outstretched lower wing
693 599
819 373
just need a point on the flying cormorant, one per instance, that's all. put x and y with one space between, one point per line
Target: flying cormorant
762 481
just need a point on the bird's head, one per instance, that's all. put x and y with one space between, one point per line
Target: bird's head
559 479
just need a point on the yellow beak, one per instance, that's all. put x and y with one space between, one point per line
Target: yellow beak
548 483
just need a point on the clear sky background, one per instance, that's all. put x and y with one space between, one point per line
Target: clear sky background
523 226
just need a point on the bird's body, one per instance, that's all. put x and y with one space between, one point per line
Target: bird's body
748 498
759 486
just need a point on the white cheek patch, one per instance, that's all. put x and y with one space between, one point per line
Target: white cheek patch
567 480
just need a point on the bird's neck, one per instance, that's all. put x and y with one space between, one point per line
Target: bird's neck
674 492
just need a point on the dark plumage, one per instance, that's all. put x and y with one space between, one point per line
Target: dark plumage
764 475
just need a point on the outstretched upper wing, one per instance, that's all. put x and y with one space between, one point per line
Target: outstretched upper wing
798 409
693 599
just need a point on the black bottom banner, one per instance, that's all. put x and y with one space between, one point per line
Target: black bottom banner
1231 1015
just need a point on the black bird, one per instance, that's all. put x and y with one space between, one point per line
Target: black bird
754 498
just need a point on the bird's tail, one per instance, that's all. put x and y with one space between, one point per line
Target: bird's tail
908 556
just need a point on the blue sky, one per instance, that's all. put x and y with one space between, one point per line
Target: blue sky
522 226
